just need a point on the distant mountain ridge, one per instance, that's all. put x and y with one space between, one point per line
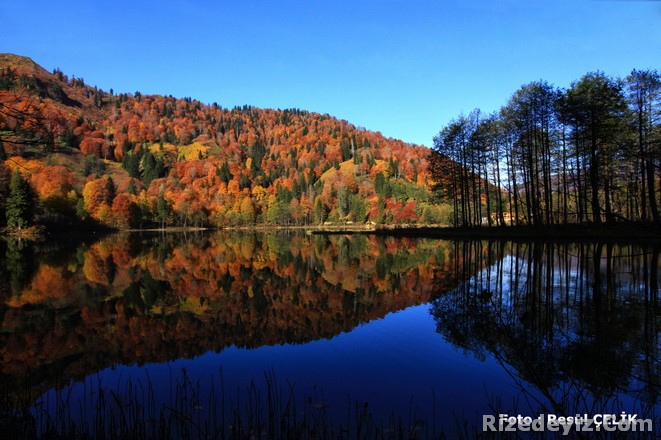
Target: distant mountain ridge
181 162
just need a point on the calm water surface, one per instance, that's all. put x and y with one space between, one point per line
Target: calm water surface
432 331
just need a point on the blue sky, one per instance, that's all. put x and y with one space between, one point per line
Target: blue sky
401 67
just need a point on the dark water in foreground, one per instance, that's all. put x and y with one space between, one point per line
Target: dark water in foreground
436 332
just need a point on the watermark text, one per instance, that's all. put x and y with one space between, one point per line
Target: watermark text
566 425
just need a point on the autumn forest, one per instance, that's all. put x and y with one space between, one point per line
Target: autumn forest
76 156
135 161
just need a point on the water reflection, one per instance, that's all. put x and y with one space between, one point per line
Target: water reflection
133 298
574 325
579 322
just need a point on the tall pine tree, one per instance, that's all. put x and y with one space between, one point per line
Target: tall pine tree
162 210
19 203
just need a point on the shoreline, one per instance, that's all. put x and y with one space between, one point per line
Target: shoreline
623 231
545 233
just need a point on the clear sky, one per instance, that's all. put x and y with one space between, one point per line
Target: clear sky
401 67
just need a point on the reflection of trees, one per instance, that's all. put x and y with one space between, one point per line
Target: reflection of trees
133 299
18 263
580 322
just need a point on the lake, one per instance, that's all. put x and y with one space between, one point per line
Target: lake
286 334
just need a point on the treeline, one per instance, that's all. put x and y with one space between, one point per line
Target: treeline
586 154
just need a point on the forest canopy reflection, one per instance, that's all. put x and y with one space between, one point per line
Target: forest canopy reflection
579 322
575 325
134 298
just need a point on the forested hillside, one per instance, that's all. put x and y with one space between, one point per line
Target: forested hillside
72 154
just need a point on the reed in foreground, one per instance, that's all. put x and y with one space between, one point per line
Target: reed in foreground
136 409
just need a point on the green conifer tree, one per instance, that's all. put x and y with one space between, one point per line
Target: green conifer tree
162 210
19 203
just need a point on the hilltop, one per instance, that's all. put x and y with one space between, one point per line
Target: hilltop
132 160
